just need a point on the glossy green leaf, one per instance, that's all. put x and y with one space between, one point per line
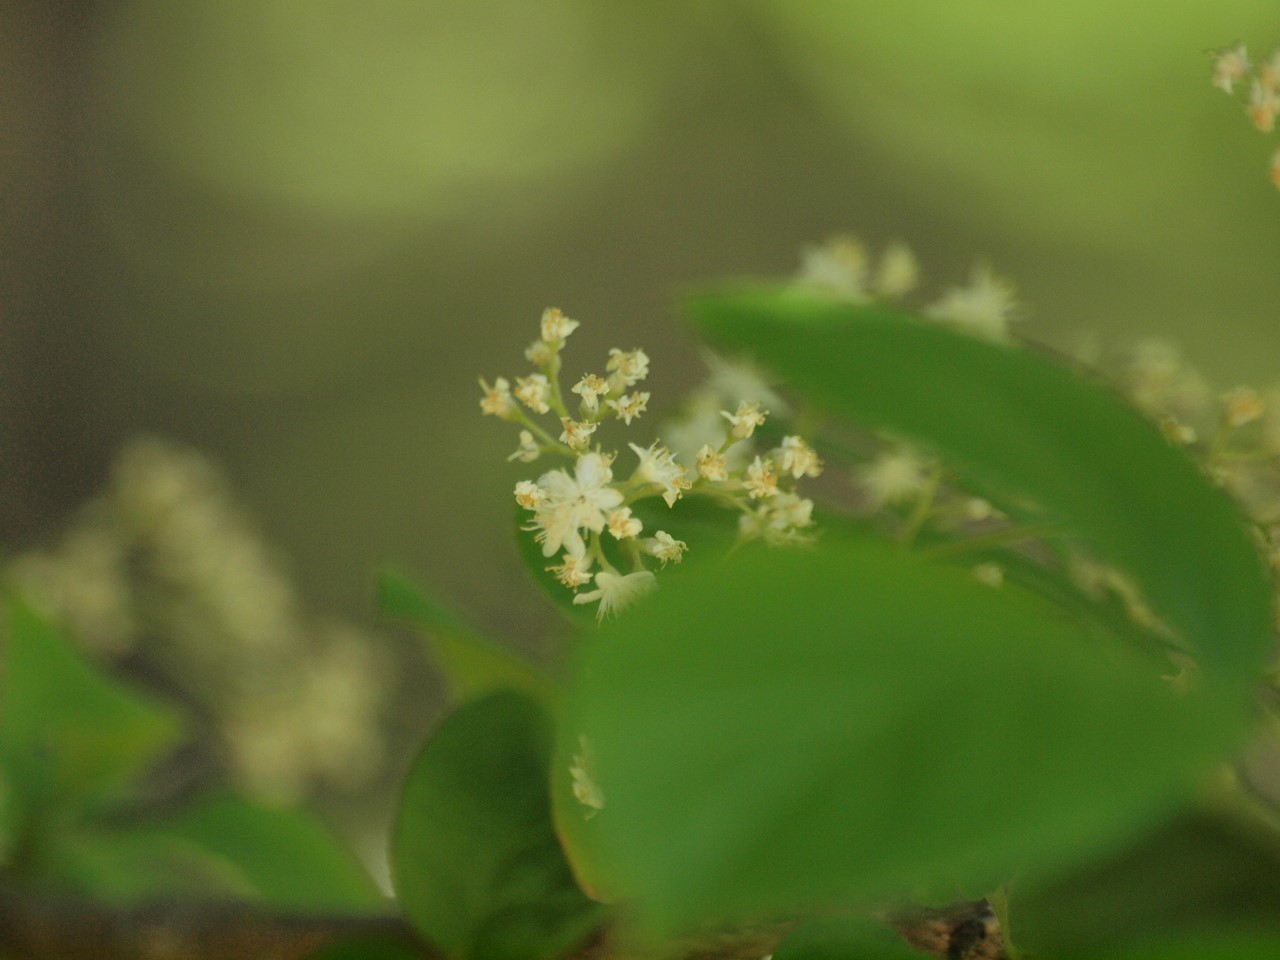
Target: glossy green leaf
1014 420
68 731
477 866
789 729
472 663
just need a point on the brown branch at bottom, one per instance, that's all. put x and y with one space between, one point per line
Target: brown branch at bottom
39 928
966 930
35 927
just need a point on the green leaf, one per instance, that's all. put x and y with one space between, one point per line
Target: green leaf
1228 945
1203 872
131 865
472 663
853 723
286 857
223 846
69 733
1017 421
477 865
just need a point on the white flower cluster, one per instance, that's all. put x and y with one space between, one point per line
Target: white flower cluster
1234 434
576 511
1231 66
842 268
164 564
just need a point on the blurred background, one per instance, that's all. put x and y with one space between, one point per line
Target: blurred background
285 237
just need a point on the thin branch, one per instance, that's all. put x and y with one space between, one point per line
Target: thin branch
45 928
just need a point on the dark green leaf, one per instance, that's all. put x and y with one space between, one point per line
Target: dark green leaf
124 866
1227 945
1203 872
286 857
223 847
790 729
477 865
1016 421
68 732
472 663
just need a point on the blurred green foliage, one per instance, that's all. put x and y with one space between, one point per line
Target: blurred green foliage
478 869
390 108
76 750
292 233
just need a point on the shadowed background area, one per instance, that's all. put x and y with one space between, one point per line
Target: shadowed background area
291 234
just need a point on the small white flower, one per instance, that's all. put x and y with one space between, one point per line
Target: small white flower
745 420
539 353
585 789
573 571
533 392
626 368
787 511
556 326
1162 384
1177 432
1230 65
576 433
573 504
711 464
798 458
622 524
1269 70
1242 405
1263 105
590 388
897 273
616 592
657 465
838 267
630 405
976 509
736 380
529 494
496 401
989 574
895 476
983 308
779 520
528 451
664 547
762 479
